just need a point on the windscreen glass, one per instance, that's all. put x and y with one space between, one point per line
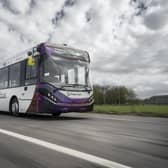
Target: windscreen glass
65 72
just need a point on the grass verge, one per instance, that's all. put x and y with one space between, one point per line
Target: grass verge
143 110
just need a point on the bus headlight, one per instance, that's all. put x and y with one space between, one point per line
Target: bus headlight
91 99
52 97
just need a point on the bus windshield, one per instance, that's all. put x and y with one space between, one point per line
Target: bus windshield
65 72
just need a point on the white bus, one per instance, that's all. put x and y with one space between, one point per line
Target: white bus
47 78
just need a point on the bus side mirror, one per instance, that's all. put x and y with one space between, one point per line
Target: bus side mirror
29 53
31 60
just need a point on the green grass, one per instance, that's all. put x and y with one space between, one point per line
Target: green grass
144 110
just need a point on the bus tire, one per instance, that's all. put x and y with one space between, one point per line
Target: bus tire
56 114
14 107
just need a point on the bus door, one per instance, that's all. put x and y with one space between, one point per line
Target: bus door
30 81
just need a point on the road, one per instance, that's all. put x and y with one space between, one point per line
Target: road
128 140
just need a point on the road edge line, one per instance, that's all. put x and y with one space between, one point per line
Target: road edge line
65 150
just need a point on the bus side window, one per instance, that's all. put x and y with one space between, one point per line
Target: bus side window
3 78
14 75
31 72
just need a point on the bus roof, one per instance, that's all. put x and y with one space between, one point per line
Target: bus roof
41 47
16 58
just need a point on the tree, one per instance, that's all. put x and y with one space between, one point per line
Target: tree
113 94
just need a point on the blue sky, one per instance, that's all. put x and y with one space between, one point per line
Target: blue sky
127 39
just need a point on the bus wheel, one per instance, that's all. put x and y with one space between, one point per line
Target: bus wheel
14 107
56 114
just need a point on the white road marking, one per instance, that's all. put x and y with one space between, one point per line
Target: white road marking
65 150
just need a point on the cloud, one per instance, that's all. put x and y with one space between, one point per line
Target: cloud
156 19
127 39
17 6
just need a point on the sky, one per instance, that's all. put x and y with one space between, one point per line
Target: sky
127 39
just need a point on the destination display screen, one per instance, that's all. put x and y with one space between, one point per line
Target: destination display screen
69 53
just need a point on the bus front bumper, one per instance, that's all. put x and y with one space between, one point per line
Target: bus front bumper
48 106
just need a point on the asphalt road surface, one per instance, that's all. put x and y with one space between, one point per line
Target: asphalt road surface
131 141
